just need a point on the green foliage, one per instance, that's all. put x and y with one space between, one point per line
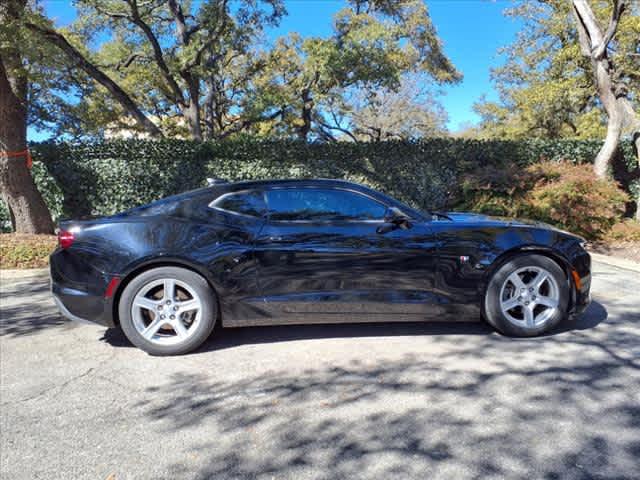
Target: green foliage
546 85
48 187
560 193
203 69
374 45
103 178
167 57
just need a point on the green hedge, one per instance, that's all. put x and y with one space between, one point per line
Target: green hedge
106 177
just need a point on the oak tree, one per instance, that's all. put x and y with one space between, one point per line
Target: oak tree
28 212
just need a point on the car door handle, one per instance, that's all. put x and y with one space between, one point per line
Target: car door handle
275 238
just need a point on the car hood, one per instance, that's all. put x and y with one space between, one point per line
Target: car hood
470 217
487 220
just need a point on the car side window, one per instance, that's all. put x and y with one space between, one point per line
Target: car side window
249 203
315 204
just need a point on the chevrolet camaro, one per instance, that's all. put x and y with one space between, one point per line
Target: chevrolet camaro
284 252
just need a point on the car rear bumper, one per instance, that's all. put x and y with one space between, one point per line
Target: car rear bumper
78 297
82 307
66 313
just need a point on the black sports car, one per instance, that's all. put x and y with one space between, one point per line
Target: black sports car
309 251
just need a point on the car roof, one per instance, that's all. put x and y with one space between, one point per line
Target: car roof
221 188
317 182
321 182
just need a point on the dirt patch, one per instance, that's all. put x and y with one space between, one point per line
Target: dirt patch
20 251
629 250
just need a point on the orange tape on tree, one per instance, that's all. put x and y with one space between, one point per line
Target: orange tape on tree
23 153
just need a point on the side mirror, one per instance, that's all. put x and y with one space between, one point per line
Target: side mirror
394 218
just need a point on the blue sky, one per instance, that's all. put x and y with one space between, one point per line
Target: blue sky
472 31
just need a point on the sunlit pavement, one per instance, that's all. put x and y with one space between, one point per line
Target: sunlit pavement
424 401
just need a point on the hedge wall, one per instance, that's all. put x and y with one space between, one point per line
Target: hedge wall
106 177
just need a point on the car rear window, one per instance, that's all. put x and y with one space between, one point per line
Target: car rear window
249 203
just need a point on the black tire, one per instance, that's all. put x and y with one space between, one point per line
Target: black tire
203 329
492 305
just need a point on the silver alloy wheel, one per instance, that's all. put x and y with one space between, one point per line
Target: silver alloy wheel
529 297
166 311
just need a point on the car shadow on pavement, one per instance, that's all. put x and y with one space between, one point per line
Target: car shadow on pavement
27 308
14 322
488 408
233 337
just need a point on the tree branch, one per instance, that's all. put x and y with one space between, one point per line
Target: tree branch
249 122
135 17
338 128
326 134
584 37
618 9
197 58
181 24
103 79
129 60
593 43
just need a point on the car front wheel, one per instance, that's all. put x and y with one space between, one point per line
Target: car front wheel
167 311
527 296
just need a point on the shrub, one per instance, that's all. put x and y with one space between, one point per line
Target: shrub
627 231
101 178
569 196
5 219
560 193
496 190
25 251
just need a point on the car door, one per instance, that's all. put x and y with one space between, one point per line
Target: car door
323 257
239 217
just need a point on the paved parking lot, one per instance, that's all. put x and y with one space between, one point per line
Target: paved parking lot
353 401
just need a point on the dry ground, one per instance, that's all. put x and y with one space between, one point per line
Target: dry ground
324 402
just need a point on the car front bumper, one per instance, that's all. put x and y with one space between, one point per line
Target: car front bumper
581 281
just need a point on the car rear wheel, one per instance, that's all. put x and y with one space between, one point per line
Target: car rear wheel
527 296
167 311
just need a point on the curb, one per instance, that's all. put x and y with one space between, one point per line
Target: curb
24 273
616 262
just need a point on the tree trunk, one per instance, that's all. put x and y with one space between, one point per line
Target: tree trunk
636 144
307 108
192 114
214 108
607 153
28 211
594 44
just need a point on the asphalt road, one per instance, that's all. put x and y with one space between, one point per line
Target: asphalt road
424 401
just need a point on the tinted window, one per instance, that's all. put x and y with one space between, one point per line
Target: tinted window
322 204
246 203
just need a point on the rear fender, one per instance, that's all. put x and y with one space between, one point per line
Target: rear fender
163 261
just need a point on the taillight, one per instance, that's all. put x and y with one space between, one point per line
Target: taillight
65 238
